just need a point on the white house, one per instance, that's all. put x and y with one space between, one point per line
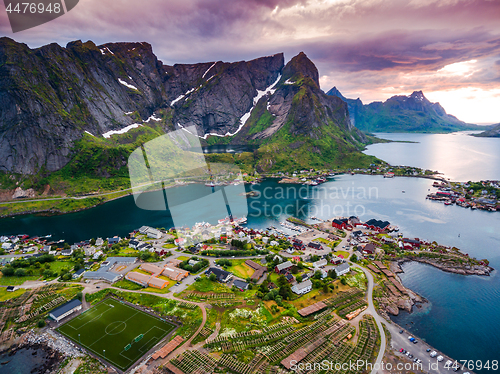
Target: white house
342 269
302 287
320 263
65 310
97 254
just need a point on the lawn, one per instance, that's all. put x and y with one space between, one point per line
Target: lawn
239 269
183 258
16 281
116 332
343 253
4 295
206 285
56 266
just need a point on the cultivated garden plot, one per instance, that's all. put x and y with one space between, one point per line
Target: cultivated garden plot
116 331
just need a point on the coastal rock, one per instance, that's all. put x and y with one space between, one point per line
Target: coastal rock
20 193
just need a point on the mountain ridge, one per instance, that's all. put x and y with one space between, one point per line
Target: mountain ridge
402 113
53 96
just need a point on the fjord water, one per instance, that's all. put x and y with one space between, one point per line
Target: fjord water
458 156
461 318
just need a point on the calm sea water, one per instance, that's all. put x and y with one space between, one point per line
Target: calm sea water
459 156
462 316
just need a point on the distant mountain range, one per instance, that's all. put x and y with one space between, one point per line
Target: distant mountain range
492 132
58 102
413 113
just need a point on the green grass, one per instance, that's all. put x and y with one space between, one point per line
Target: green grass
239 269
128 285
17 281
111 325
56 266
206 285
343 253
4 295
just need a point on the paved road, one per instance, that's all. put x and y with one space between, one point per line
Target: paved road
378 319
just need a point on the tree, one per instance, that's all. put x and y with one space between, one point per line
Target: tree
343 281
47 273
20 272
354 258
8 271
212 277
318 274
298 278
332 274
326 289
41 323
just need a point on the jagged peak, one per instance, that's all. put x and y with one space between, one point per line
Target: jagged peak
417 95
303 65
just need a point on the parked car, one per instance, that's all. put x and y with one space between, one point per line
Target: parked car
440 358
433 354
401 331
410 356
428 350
448 364
414 341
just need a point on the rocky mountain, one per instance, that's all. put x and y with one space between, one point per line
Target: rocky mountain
413 113
53 97
492 132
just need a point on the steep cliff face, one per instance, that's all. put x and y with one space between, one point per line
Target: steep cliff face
51 95
296 123
412 113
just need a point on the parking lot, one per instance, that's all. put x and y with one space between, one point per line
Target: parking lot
429 364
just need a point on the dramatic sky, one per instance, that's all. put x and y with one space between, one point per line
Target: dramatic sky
371 49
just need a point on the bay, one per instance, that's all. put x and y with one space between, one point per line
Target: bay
461 317
458 156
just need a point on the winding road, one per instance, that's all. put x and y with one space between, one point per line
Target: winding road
378 319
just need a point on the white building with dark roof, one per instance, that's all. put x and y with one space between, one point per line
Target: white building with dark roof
302 287
65 310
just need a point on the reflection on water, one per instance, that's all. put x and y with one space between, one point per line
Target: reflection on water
458 156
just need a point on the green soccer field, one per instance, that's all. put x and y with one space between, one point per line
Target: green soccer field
112 330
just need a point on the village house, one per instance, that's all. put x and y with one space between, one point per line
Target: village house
342 269
315 245
283 267
377 225
302 287
150 232
241 285
222 275
340 223
320 263
369 249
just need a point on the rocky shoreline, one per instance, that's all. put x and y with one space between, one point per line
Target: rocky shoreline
483 270
52 361
392 304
